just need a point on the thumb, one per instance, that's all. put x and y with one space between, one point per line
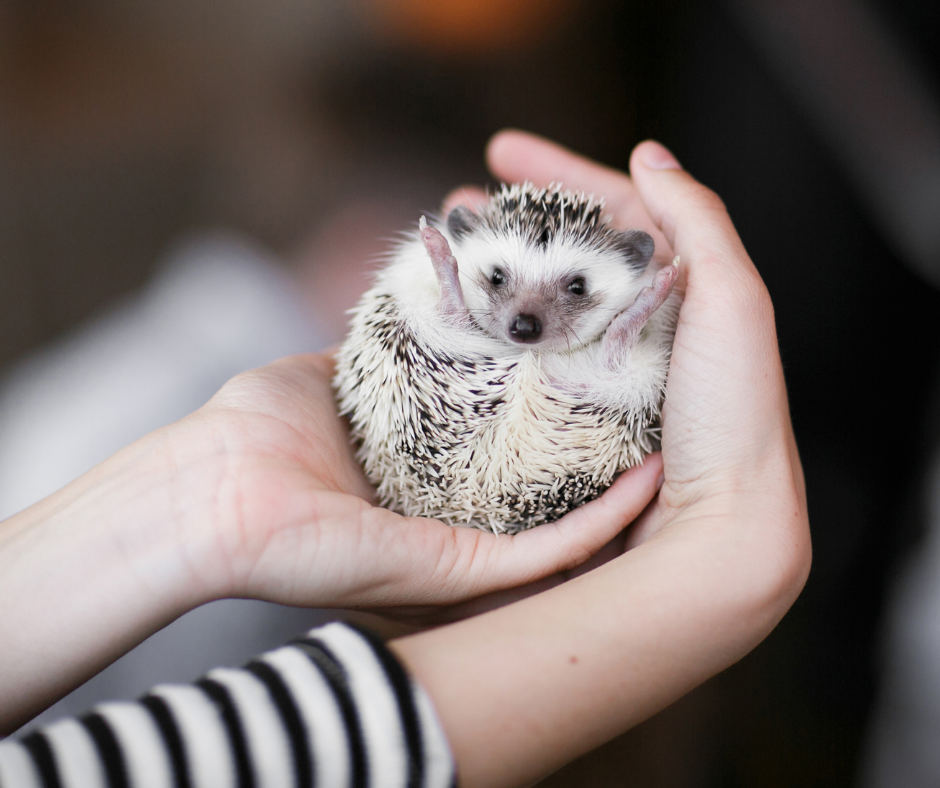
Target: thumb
691 216
725 392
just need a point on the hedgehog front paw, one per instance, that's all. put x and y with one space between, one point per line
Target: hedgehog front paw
445 267
624 332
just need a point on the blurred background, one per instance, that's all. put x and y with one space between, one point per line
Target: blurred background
190 189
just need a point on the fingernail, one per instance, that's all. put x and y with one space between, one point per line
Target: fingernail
656 157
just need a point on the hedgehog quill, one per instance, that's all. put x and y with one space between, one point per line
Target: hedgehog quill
508 364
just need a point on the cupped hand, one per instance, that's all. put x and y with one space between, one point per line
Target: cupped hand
706 571
257 494
726 431
292 520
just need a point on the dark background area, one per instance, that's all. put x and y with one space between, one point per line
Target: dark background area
122 126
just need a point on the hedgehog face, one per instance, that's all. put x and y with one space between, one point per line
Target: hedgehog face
556 297
555 292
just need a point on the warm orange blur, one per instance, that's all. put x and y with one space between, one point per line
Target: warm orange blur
470 26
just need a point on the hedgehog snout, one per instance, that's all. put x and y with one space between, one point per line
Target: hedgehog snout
525 328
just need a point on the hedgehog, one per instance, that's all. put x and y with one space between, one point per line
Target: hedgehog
509 362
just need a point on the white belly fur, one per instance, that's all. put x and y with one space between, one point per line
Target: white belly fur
500 442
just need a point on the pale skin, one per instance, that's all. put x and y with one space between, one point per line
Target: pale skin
709 568
257 495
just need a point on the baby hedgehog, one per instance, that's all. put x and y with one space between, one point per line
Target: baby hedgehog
508 365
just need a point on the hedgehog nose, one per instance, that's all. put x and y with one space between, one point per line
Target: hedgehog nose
525 328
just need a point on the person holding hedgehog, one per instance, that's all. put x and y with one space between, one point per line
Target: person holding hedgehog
257 494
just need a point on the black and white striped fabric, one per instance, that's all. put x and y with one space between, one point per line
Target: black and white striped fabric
334 708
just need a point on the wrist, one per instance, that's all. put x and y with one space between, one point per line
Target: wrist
91 571
757 520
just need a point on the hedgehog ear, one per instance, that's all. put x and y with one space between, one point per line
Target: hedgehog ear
461 221
636 246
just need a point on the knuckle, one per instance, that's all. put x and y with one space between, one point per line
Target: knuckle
699 197
760 295
576 555
754 294
459 565
750 299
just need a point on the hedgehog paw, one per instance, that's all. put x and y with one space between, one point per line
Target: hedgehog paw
445 266
624 332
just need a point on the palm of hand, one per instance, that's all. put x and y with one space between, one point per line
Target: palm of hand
291 520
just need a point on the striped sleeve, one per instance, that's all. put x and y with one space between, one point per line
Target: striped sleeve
333 708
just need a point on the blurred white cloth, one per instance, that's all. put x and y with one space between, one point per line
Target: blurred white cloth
218 305
903 750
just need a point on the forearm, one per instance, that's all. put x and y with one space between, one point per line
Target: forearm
90 572
256 495
527 688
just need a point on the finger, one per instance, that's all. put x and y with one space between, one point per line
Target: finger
726 398
471 197
645 527
322 362
576 537
723 291
692 218
607 553
515 156
436 615
507 596
416 561
467 563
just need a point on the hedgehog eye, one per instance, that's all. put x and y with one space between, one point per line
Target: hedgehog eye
577 286
497 278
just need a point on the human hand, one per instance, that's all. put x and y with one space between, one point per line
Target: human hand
257 494
292 520
725 418
708 569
